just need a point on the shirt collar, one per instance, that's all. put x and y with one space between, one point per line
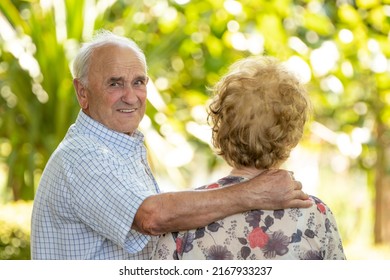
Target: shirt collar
86 125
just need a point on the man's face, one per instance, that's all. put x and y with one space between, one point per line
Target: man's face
116 92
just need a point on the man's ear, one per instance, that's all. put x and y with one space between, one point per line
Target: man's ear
81 93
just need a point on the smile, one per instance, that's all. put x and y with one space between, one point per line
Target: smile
127 110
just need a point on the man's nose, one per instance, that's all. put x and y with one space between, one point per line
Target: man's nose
129 95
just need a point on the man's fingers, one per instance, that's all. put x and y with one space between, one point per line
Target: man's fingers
297 185
300 199
300 194
298 203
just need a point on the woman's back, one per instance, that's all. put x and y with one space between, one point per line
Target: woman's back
293 234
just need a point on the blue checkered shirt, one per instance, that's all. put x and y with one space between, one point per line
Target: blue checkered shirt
88 196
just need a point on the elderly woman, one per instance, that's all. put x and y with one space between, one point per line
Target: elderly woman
258 116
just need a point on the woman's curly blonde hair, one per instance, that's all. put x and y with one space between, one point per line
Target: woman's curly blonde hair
258 113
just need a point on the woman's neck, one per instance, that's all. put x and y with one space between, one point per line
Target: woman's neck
246 172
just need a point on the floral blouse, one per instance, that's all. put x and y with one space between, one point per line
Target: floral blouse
303 234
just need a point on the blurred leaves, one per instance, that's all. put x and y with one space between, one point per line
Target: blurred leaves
15 231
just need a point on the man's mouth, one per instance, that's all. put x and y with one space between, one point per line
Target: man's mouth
127 110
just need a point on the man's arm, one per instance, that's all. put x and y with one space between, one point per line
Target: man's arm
174 211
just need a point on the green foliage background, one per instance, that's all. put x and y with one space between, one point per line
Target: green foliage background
189 44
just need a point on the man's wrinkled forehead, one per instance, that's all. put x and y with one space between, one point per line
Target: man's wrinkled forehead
118 58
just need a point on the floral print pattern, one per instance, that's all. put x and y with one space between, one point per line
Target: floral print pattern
305 233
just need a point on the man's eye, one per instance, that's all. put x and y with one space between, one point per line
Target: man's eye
115 84
139 82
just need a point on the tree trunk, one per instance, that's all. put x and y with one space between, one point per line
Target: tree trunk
382 187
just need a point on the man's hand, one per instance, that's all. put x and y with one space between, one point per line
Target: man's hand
277 189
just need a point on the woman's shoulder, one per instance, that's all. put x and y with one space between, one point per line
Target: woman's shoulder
223 182
319 205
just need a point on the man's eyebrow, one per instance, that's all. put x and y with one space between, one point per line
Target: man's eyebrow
122 79
115 79
141 77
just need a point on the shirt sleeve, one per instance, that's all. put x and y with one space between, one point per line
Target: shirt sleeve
328 235
334 250
106 193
